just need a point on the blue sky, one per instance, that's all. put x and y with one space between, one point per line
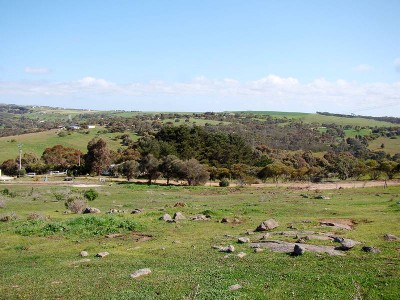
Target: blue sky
337 56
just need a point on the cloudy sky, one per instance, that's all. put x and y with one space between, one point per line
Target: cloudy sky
208 55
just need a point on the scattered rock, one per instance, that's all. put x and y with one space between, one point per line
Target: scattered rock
267 225
178 216
91 210
336 224
347 244
140 272
249 232
390 237
84 253
241 254
258 250
102 254
137 210
265 236
236 221
115 211
180 204
304 195
298 250
235 287
225 220
176 242
322 197
167 218
81 261
371 249
243 240
228 249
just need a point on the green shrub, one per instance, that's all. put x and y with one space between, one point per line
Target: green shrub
76 205
11 216
91 194
224 182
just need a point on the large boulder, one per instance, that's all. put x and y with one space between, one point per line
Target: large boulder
91 210
167 218
347 244
141 272
298 250
179 216
267 225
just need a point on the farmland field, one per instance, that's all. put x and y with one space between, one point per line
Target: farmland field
39 259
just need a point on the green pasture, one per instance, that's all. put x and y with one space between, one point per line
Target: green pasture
392 146
40 259
38 142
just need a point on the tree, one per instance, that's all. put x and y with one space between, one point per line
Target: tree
149 165
130 169
193 172
390 168
9 167
98 156
169 167
60 157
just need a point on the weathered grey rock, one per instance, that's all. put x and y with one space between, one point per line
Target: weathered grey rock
83 253
347 244
267 225
258 250
286 247
141 272
228 249
102 254
322 197
371 249
336 225
200 218
236 221
235 287
179 216
249 232
167 218
225 220
265 236
241 254
137 211
91 210
390 237
243 240
298 250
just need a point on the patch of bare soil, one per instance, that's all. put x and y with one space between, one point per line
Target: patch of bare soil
346 224
135 236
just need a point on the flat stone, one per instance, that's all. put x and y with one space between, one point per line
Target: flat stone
235 287
91 210
141 272
336 225
347 244
390 237
371 249
267 225
137 210
83 253
298 250
102 254
241 254
258 250
286 247
243 240
200 218
167 218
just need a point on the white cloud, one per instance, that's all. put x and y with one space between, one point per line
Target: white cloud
363 68
31 70
203 94
397 64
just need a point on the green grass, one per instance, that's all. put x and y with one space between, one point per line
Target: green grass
38 142
44 266
392 146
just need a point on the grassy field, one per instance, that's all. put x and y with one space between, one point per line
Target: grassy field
39 259
392 146
37 142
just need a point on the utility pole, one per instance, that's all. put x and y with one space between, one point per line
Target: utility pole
20 156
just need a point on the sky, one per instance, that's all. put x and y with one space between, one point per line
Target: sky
209 55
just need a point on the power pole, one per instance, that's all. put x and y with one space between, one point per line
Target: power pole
20 156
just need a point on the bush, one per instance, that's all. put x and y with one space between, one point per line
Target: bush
36 216
224 182
8 217
91 194
2 203
76 205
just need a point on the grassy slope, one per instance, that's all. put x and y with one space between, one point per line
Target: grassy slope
37 267
392 146
37 142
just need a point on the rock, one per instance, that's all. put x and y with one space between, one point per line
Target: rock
102 254
228 249
241 254
235 287
258 250
390 237
298 250
347 244
85 260
114 235
176 242
243 240
83 254
322 197
265 236
267 225
200 218
91 210
178 216
336 225
167 218
236 221
249 232
137 210
371 249
141 272
225 220
180 204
